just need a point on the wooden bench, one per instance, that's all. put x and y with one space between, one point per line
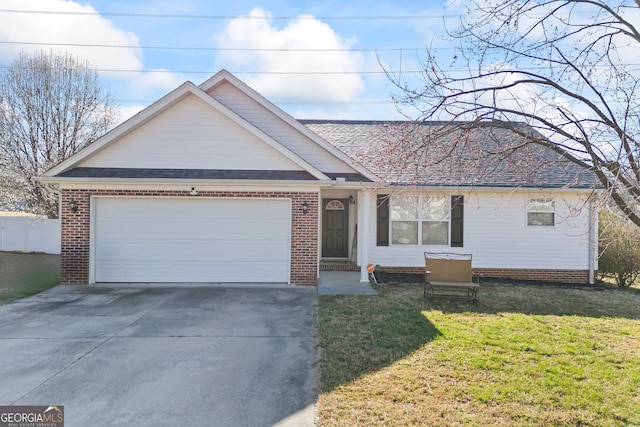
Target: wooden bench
450 275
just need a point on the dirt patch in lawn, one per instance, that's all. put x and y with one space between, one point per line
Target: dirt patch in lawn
24 274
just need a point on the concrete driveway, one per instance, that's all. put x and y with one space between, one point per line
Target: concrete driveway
163 355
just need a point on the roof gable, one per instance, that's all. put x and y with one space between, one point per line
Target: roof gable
191 135
255 108
111 151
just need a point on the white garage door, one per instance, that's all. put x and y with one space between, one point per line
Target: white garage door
191 240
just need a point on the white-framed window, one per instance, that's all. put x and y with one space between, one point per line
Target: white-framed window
420 220
541 212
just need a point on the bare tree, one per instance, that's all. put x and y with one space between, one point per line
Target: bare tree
567 68
51 106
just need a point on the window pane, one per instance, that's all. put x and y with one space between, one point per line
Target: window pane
435 208
540 218
404 232
404 207
435 233
541 212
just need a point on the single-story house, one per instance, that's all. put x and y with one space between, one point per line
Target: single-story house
214 183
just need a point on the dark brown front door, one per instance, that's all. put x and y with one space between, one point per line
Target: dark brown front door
335 228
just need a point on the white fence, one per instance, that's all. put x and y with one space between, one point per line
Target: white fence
29 233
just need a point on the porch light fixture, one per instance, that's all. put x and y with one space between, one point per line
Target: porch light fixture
73 204
305 208
352 200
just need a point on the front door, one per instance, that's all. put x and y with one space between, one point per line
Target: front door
335 228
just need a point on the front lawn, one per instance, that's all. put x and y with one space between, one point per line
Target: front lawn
24 274
523 356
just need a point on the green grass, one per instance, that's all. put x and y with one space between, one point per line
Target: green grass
523 356
24 274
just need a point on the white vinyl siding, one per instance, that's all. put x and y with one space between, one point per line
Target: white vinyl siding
282 132
191 135
496 233
191 240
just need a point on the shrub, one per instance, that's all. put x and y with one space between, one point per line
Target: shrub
619 247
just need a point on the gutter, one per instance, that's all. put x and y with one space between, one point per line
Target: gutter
71 181
56 184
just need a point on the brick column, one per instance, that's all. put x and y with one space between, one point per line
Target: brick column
304 239
75 237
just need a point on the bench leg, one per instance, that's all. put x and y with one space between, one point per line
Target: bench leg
428 290
472 294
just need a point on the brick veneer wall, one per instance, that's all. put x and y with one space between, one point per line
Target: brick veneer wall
555 276
75 229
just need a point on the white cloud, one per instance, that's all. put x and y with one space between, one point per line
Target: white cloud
125 113
82 25
304 32
143 83
66 29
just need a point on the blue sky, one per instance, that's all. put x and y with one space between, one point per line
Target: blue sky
314 59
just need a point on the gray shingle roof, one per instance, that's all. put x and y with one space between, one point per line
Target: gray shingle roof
187 174
404 153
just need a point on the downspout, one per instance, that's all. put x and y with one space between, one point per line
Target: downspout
593 241
319 231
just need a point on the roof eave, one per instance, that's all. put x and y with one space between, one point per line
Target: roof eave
174 181
497 187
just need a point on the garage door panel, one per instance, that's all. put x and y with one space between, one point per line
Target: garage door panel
134 228
130 226
108 272
267 249
177 271
163 271
260 229
191 240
